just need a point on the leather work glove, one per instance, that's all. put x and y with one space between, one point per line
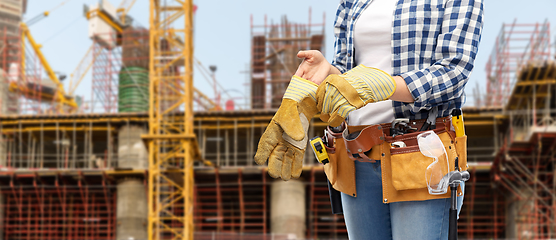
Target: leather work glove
284 141
339 95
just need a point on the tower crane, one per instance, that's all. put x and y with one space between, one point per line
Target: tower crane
63 102
171 140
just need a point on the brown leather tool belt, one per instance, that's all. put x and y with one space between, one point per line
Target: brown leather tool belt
402 164
359 140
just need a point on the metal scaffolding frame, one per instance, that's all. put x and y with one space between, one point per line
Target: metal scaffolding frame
517 44
58 206
273 57
524 164
237 200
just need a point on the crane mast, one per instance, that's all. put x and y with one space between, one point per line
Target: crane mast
171 140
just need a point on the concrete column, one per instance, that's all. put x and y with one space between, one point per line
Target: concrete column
287 208
516 215
131 210
131 206
132 153
4 102
3 161
511 214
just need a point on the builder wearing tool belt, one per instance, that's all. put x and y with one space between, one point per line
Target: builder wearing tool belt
398 73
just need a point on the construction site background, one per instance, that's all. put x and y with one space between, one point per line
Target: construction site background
83 172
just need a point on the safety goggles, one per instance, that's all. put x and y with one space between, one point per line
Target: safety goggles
436 173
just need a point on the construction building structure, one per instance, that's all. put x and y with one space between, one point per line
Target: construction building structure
122 165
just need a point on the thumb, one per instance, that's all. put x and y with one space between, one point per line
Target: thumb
304 54
289 120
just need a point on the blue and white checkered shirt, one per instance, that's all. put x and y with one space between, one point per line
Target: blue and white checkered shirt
434 45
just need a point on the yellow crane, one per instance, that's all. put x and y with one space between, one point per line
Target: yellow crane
172 143
64 103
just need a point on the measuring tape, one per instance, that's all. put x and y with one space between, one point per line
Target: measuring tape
319 149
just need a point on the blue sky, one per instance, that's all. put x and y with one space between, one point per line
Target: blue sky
222 32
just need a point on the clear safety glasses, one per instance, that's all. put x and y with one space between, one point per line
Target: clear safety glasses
436 175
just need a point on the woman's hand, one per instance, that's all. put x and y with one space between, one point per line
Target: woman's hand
314 66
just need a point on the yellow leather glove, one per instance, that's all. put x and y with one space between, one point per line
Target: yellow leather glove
338 95
284 141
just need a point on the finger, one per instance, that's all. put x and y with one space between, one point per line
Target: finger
297 165
275 161
287 164
304 54
270 138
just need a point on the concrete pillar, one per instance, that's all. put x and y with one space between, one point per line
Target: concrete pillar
132 153
3 161
287 208
517 211
131 210
511 214
4 102
131 206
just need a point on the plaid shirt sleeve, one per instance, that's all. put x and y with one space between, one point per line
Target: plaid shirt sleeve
456 47
340 44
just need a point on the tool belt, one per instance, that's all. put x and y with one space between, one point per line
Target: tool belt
403 166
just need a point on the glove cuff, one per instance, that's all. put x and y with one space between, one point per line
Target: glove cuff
300 88
372 84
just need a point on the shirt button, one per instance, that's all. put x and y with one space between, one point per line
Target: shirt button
349 54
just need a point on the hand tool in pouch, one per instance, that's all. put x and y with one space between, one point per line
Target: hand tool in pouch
319 149
456 178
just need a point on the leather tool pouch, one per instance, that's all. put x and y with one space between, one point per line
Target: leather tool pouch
403 168
340 170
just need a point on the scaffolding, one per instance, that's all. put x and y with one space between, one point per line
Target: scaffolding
524 165
515 45
34 87
483 214
524 169
46 205
62 142
106 66
274 59
236 200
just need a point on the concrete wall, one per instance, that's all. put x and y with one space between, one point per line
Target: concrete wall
287 208
131 210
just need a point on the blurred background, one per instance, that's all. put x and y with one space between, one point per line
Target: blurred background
138 119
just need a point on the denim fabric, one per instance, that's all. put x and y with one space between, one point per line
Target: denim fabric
367 218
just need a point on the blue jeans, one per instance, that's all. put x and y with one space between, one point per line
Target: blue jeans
367 218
